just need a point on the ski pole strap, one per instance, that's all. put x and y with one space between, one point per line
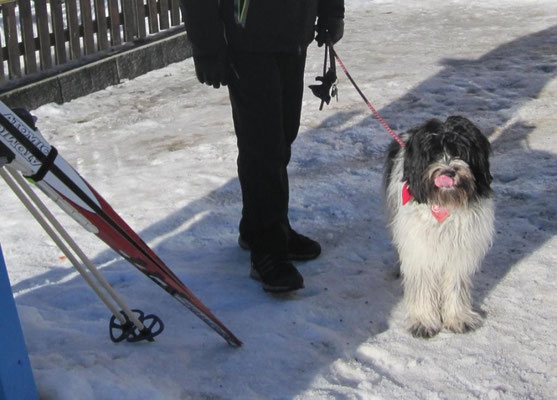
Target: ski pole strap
46 160
47 164
327 89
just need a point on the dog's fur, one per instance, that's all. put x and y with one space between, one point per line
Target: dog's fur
438 259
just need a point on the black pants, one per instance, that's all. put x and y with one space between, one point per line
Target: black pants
266 98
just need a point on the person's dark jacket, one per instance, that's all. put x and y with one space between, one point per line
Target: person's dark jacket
255 25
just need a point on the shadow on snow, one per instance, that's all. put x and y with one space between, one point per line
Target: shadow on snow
336 197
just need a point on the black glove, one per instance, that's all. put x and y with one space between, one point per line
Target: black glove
212 70
26 116
6 156
329 29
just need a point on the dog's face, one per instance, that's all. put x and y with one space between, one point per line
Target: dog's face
447 163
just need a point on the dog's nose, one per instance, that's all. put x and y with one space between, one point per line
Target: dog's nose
449 172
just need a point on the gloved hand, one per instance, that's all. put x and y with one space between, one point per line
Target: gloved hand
26 116
5 156
212 70
329 29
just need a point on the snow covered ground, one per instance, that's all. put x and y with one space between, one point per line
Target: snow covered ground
161 150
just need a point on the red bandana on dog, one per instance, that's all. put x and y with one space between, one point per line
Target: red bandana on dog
406 195
440 213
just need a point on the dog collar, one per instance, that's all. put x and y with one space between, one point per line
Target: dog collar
438 212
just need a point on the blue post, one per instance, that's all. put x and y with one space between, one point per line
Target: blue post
16 377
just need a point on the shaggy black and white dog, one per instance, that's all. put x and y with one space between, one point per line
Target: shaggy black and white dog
441 216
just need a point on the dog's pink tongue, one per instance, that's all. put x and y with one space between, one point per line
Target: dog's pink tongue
444 181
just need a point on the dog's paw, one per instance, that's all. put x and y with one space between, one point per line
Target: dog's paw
463 323
420 330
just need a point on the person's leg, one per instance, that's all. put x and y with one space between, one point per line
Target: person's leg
292 68
284 77
257 110
263 154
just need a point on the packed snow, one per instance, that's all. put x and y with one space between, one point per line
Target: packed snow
161 149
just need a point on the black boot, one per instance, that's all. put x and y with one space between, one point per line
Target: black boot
277 274
300 247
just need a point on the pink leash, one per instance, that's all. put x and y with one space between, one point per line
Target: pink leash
438 212
373 110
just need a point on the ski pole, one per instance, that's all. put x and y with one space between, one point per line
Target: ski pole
19 192
35 158
22 190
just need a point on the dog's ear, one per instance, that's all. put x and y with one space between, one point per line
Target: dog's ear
419 147
391 155
481 168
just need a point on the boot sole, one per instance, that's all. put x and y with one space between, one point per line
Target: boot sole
291 257
271 288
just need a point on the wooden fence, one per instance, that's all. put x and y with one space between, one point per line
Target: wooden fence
42 35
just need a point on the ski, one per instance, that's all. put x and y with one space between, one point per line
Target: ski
31 155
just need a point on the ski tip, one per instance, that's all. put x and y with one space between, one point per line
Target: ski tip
234 342
230 338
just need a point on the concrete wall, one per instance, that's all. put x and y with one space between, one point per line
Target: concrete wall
97 75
